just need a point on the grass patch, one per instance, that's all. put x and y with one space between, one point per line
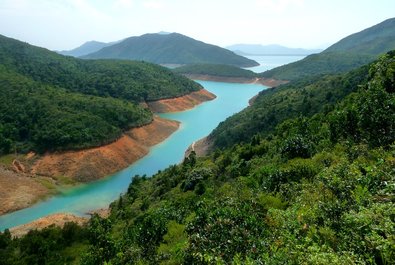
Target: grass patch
65 181
47 183
7 159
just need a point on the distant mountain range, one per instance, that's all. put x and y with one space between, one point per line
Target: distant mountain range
172 48
273 49
347 54
87 48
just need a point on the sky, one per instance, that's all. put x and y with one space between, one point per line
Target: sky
66 24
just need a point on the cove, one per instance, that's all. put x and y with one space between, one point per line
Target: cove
195 124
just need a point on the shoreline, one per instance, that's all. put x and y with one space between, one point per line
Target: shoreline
40 177
84 166
269 82
182 103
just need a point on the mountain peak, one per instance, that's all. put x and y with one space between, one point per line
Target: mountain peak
163 33
86 48
171 48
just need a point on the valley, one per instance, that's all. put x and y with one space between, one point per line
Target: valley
112 158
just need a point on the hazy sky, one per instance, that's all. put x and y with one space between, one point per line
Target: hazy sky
66 24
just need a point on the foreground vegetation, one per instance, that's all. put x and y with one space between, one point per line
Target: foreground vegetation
52 102
316 189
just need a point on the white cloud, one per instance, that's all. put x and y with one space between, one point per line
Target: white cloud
123 4
153 4
278 5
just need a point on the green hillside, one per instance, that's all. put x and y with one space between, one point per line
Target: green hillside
349 53
171 48
374 40
52 102
304 97
215 70
317 190
136 81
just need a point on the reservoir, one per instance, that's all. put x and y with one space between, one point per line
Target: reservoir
195 124
267 62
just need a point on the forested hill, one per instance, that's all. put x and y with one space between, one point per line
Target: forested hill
349 53
136 81
52 102
314 190
170 48
374 40
86 48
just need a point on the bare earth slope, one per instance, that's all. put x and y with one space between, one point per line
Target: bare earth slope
91 164
18 190
181 103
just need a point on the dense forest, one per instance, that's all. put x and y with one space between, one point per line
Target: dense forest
172 48
317 188
215 70
52 102
349 53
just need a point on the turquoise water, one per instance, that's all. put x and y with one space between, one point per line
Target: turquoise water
268 62
195 124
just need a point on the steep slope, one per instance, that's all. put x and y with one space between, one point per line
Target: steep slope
304 97
374 40
86 48
171 48
273 49
349 53
52 102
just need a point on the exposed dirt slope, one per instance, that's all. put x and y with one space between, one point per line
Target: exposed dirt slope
18 190
91 164
181 103
58 219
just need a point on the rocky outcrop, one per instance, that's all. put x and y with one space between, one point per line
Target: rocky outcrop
200 147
